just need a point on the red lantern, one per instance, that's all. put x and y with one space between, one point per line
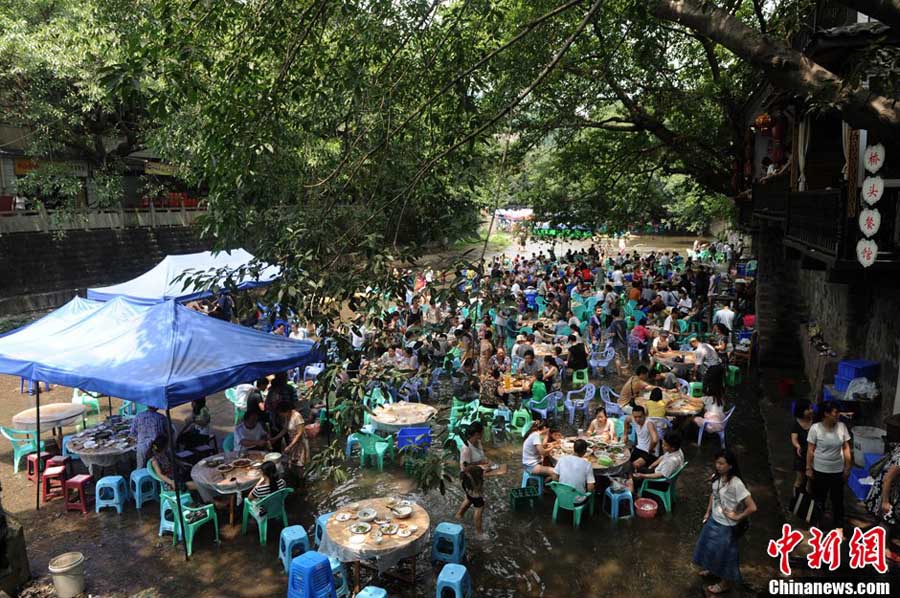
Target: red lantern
763 121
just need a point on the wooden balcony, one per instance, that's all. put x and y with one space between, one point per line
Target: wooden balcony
770 198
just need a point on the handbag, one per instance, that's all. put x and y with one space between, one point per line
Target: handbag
741 528
804 507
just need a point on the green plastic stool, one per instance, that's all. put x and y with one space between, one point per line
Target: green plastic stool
733 376
696 389
579 378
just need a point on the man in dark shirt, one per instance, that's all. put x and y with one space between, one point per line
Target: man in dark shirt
578 359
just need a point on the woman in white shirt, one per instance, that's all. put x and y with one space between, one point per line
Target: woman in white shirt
729 504
535 448
714 412
602 426
828 461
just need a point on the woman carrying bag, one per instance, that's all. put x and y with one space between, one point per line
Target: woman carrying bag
726 519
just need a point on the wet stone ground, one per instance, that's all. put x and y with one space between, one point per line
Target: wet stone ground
526 554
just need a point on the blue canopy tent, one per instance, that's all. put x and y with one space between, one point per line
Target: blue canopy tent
160 355
166 280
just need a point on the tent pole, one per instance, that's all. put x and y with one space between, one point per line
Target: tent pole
180 522
37 431
109 399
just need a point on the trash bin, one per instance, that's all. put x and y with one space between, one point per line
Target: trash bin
67 571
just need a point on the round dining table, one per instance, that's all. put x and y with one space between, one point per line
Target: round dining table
672 359
219 476
393 417
604 457
376 542
679 407
53 417
104 446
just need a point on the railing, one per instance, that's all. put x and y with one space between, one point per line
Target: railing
770 197
817 219
24 221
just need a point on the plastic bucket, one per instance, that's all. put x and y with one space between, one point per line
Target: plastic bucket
867 439
645 508
67 571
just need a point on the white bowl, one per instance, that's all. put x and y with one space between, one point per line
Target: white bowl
402 512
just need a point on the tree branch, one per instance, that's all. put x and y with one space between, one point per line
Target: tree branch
786 68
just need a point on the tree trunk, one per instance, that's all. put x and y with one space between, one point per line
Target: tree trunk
786 68
886 11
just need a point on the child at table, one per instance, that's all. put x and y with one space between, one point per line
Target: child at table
268 483
656 406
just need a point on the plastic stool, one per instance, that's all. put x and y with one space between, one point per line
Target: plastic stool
49 490
528 477
696 389
614 499
111 491
579 378
60 461
79 484
321 520
143 487
733 375
310 577
292 537
341 585
372 592
65 449
449 543
454 577
31 464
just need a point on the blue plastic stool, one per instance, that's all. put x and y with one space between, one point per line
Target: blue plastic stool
351 441
321 520
614 499
341 585
143 487
291 537
528 477
310 577
111 491
454 577
449 543
168 511
372 592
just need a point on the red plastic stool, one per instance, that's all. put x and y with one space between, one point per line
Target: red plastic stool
60 460
53 482
82 494
31 464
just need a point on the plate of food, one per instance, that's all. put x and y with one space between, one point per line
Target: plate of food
242 462
357 539
380 521
272 457
389 529
214 461
225 467
360 528
404 533
405 503
367 514
343 517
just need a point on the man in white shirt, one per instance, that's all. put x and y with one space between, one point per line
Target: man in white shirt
618 280
724 316
575 470
666 465
685 304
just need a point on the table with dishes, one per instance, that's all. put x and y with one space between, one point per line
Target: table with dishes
604 457
541 350
680 406
53 417
230 474
380 531
393 417
514 384
672 359
105 445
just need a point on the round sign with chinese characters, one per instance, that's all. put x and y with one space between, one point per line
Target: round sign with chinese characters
869 221
874 157
866 252
872 189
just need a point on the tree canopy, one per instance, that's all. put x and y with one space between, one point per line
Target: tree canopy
331 136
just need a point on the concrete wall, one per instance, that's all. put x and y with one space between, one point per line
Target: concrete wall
42 270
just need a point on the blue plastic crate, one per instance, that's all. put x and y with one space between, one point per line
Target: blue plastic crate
870 459
858 368
859 490
841 383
